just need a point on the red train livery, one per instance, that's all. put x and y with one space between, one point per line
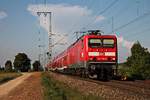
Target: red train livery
92 55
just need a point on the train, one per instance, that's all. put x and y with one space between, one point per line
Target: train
92 55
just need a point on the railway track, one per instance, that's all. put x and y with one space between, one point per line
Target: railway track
140 84
110 90
138 88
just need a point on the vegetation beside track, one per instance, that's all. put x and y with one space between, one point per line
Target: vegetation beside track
5 76
137 65
54 90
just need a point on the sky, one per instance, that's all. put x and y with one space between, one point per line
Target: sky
22 30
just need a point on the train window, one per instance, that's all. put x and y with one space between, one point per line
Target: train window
108 42
95 42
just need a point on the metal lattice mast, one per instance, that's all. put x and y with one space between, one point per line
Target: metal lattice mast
49 32
50 36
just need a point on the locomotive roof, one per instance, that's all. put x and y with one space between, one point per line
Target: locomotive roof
104 36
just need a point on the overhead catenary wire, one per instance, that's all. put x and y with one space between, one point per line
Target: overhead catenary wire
68 34
103 11
119 28
111 19
127 8
136 28
116 15
58 42
74 25
132 21
138 33
119 13
100 13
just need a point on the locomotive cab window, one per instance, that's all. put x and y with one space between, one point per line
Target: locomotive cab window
95 42
108 43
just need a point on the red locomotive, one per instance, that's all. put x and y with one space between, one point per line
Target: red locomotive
92 55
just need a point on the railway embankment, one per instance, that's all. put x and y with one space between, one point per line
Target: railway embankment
58 90
112 90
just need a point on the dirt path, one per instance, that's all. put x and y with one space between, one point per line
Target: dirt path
26 87
7 87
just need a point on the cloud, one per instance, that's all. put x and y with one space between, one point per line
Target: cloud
149 49
125 43
124 48
66 19
2 15
99 18
63 16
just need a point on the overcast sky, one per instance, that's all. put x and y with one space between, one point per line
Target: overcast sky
21 28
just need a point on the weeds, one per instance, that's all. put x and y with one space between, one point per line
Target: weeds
4 77
54 90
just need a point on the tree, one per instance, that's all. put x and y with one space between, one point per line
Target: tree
139 62
22 62
36 66
8 66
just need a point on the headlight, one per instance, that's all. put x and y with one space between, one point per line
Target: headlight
110 54
93 53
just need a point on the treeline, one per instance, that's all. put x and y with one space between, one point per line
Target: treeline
21 64
137 65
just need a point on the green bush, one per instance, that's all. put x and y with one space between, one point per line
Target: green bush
138 63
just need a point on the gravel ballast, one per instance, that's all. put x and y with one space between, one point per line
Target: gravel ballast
102 90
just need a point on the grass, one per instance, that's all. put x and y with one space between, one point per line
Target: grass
54 90
5 76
